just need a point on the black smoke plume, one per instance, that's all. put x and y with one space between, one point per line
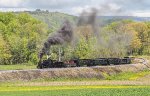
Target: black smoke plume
63 35
89 18
116 43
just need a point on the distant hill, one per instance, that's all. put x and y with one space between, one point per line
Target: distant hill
52 19
55 19
125 17
104 20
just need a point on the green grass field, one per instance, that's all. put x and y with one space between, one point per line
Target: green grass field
128 75
75 91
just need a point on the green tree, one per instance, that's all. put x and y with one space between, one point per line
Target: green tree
23 34
4 51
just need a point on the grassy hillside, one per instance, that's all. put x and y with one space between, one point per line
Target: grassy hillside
53 19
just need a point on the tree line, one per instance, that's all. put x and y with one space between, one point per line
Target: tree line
21 37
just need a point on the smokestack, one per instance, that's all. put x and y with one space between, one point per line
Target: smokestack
60 54
63 35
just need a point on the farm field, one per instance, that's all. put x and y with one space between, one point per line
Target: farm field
121 85
75 91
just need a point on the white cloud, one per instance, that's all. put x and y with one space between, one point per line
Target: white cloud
142 13
15 9
78 10
10 3
114 6
75 7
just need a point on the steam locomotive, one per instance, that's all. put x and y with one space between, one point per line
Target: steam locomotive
49 63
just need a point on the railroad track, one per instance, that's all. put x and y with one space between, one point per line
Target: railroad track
141 61
73 72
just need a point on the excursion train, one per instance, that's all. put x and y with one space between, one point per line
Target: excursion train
49 63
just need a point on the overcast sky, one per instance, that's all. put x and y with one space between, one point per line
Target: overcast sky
75 7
